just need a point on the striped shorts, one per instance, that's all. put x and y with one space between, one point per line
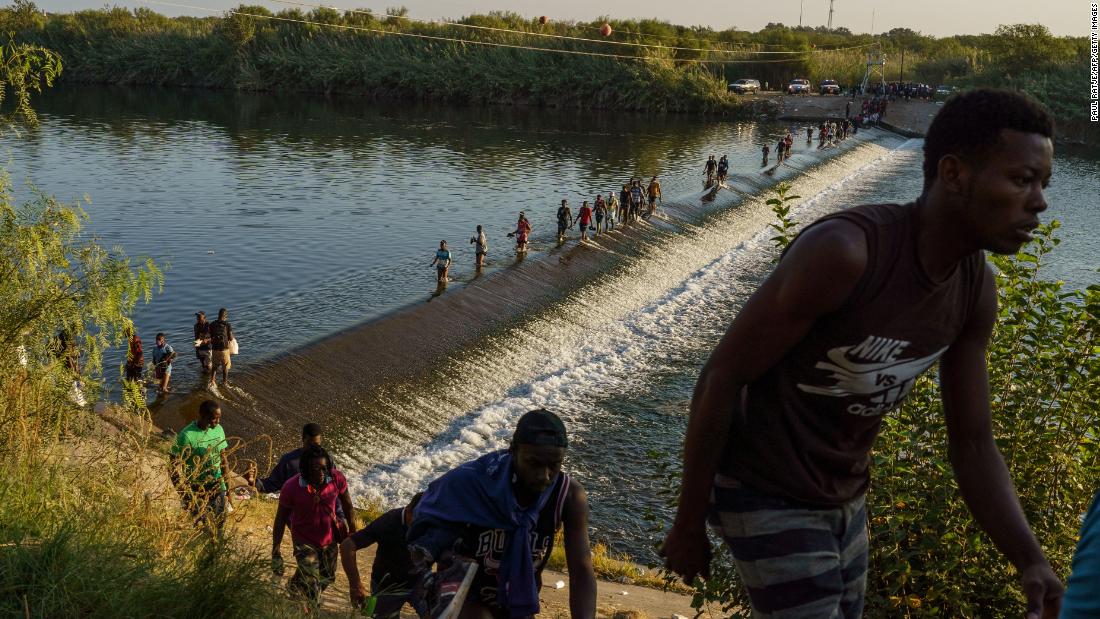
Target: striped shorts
796 561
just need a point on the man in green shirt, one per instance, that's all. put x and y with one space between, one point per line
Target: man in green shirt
199 466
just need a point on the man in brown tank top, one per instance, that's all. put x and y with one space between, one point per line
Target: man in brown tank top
789 404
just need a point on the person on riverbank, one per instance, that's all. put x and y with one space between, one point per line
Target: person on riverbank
710 168
441 262
809 135
788 142
599 213
584 218
565 220
1081 601
612 210
135 357
221 334
481 247
307 505
199 467
780 151
163 355
523 229
788 406
653 192
766 150
723 169
289 464
392 575
502 511
202 341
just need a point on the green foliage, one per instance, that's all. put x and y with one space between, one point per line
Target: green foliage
24 68
1044 373
54 280
784 225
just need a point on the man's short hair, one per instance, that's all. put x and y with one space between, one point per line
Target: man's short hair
312 453
540 427
311 430
222 313
207 408
159 335
969 126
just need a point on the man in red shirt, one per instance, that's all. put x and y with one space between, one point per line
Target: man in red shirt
307 504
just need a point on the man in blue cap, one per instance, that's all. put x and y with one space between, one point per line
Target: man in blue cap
502 512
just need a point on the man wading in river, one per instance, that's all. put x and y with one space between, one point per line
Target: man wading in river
788 406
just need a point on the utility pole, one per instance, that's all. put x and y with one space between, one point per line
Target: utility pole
800 4
830 14
901 73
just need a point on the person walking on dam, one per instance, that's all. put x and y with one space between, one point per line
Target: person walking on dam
441 262
481 247
653 192
777 454
565 220
221 336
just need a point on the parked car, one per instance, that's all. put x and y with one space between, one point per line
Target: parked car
829 87
943 91
744 86
799 86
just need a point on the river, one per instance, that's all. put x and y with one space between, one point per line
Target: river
306 217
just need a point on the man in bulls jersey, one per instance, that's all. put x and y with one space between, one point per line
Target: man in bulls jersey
503 511
788 406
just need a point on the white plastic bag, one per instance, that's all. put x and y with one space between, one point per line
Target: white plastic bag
234 348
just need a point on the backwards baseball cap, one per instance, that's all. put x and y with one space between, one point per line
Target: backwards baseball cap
540 427
203 314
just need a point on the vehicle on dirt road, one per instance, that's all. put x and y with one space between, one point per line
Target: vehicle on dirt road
745 86
829 87
799 86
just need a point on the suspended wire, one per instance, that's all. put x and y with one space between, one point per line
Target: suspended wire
560 37
464 41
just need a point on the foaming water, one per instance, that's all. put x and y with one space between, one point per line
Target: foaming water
639 330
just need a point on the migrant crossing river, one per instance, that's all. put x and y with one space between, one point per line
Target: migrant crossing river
306 216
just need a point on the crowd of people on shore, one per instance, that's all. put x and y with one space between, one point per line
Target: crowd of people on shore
490 523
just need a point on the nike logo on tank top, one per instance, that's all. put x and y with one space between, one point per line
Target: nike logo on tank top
804 430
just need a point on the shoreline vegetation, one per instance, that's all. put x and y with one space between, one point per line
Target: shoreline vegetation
505 58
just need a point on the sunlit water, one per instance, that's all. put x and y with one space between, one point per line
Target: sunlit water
306 216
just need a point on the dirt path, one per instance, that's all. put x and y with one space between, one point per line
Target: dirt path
613 601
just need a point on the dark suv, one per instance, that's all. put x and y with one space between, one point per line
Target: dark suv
830 87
